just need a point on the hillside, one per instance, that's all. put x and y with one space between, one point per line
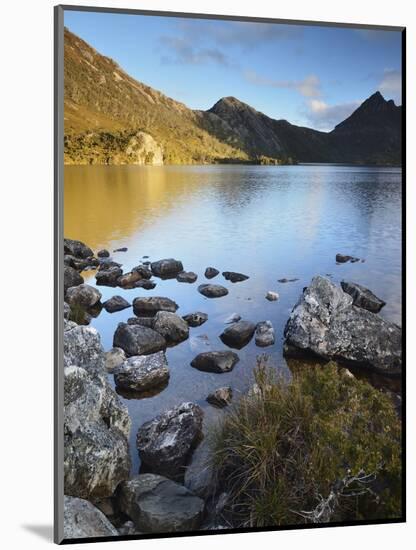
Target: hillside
112 118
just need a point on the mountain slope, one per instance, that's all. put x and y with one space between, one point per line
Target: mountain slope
112 118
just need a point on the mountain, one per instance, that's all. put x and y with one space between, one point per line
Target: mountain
112 118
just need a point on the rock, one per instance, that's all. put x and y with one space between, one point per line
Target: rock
195 319
108 277
77 249
160 505
167 267
82 347
116 303
105 264
122 249
83 520
212 291
238 334
80 264
114 359
83 295
199 475
143 271
128 528
143 321
264 334
221 397
186 277
172 327
103 253
215 361
211 272
342 258
106 506
150 306
233 318
234 277
166 442
71 278
145 284
138 340
200 342
272 296
363 297
284 280
67 310
325 323
142 372
128 279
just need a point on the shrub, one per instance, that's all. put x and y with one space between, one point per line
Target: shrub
321 447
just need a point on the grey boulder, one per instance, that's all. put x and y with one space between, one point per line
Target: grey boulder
138 340
264 335
108 277
82 520
116 303
212 291
113 359
363 297
142 372
238 334
83 295
215 361
172 327
167 267
150 306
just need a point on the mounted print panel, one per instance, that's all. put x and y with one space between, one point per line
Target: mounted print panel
229 248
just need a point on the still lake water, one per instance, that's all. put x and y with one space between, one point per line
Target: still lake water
267 222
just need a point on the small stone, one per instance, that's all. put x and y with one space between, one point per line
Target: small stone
342 258
215 361
122 249
195 319
264 335
211 272
212 291
114 359
221 397
234 277
128 279
116 303
284 280
272 296
83 295
186 277
238 334
103 253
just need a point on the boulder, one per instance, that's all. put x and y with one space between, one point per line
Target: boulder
195 319
82 520
103 253
105 264
159 505
143 321
238 334
272 296
325 323
232 318
186 277
108 277
221 397
143 271
138 340
150 306
212 291
211 272
363 297
199 475
82 347
128 279
83 295
166 268
234 277
71 278
142 372
80 264
215 361
114 359
264 335
77 249
166 442
116 303
172 327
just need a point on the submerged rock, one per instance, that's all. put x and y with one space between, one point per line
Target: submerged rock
114 359
138 340
325 323
212 291
195 319
234 277
272 296
71 278
363 297
238 334
343 258
167 267
142 372
186 277
215 361
159 505
166 442
221 397
83 295
108 277
284 280
172 327
116 303
77 249
211 272
83 520
150 306
233 318
264 335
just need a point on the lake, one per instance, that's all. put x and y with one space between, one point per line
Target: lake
268 222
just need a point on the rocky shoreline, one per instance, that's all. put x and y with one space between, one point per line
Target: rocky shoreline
173 493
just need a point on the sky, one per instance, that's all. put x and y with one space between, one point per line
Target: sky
312 76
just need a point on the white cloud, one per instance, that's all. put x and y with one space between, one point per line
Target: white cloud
323 116
310 86
391 84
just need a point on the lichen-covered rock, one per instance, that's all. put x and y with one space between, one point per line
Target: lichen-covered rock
150 306
142 372
160 505
195 319
82 347
83 295
71 278
113 359
221 397
212 291
116 303
167 267
363 297
77 249
138 340
325 323
83 520
172 327
215 361
166 442
264 335
108 277
234 277
238 334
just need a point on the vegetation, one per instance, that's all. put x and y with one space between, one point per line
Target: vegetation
322 447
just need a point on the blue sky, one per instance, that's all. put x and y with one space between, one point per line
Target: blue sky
310 75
